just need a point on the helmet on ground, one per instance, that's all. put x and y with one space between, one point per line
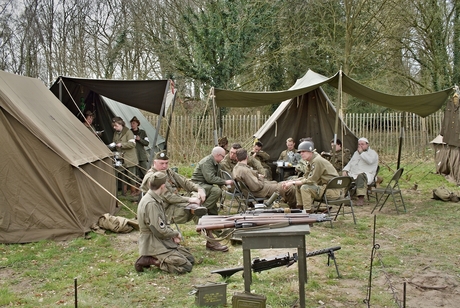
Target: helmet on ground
306 146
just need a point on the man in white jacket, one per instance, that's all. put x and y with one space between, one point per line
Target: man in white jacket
362 167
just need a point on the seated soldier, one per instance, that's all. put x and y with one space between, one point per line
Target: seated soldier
289 155
342 156
257 184
264 159
179 206
207 175
159 244
229 162
312 185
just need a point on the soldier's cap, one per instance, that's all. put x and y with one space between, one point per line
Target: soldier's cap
157 179
161 155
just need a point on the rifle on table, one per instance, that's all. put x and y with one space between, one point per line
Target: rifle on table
259 265
217 222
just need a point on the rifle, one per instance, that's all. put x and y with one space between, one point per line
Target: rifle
259 265
215 222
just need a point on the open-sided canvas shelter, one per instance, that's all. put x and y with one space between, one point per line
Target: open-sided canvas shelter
80 94
422 105
55 179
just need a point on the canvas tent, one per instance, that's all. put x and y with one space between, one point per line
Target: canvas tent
79 95
54 182
311 114
309 85
108 108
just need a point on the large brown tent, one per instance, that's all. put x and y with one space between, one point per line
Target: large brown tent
56 176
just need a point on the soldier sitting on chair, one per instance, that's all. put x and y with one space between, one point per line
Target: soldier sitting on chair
263 157
312 185
229 162
258 186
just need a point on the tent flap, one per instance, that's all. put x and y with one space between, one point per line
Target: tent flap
147 95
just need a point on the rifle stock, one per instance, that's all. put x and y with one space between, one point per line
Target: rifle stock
253 221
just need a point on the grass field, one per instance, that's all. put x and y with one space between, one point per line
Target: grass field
418 247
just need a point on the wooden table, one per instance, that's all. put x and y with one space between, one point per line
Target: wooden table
286 237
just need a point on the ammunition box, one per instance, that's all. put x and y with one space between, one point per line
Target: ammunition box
248 300
211 294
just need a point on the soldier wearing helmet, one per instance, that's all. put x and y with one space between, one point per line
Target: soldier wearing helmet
311 186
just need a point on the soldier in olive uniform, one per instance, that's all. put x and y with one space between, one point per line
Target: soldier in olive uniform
229 162
258 185
124 142
183 198
342 156
289 155
207 175
140 136
311 186
159 244
264 159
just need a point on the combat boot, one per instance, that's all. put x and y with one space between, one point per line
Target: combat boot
145 262
197 210
216 246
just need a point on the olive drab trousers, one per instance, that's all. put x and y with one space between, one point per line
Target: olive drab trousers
308 193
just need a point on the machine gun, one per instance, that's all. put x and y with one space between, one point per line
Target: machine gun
259 265
218 222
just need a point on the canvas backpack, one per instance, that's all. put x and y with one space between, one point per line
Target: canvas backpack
442 193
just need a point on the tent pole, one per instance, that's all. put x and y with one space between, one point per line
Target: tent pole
162 110
60 89
214 116
401 136
168 129
337 110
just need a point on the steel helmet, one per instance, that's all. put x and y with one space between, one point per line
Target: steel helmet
307 146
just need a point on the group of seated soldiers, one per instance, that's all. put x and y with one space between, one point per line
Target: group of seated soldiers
171 198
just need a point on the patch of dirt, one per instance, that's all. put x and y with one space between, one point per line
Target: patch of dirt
425 289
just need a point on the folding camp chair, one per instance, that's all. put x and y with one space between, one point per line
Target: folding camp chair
393 190
248 196
373 185
233 191
344 184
